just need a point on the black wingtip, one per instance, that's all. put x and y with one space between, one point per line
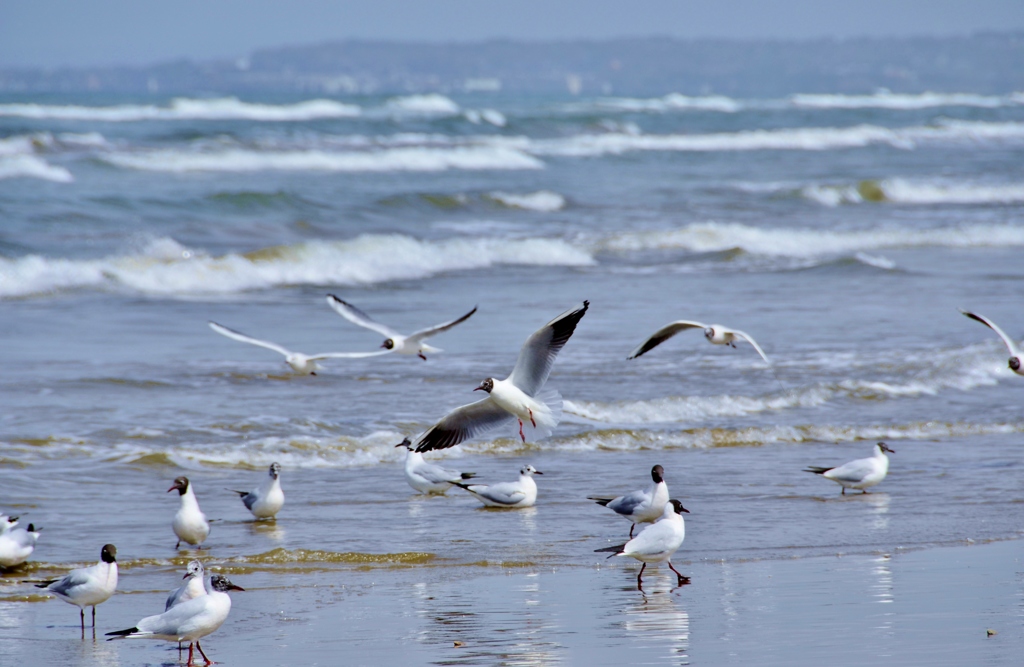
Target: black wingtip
44 584
468 475
615 551
121 633
461 485
816 470
241 493
603 502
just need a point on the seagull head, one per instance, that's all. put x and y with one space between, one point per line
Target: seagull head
194 569
108 554
275 470
882 447
405 443
389 344
1015 364
530 470
709 332
677 507
180 485
487 385
658 474
223 584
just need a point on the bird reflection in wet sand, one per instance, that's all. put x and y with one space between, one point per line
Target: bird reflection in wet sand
658 618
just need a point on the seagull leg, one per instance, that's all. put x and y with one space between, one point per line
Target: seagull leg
531 418
81 613
640 578
421 356
844 490
178 544
631 527
682 579
189 654
200 647
521 430
94 616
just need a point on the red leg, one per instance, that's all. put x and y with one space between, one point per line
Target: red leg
200 647
682 579
521 430
421 356
189 663
531 419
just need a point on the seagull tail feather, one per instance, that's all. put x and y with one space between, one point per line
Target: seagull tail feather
817 470
468 475
615 551
603 502
120 634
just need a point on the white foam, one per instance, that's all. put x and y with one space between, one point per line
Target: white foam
542 200
432 104
672 102
30 166
876 261
225 108
394 159
832 195
905 191
166 267
888 100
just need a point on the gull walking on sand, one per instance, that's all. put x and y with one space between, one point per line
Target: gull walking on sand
716 334
189 621
266 501
860 474
516 397
1015 354
643 506
87 586
414 343
521 493
656 543
300 363
189 524
428 477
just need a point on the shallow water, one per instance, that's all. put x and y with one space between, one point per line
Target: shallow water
842 233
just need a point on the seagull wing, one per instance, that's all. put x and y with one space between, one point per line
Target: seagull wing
507 493
663 334
539 351
231 333
854 471
424 334
347 355
71 580
359 318
1011 345
746 337
630 502
462 424
436 474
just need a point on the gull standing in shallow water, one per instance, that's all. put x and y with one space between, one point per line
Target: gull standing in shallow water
190 524
521 493
189 621
16 544
715 333
427 477
300 363
266 501
1015 354
517 396
643 506
414 343
87 586
193 587
656 543
859 474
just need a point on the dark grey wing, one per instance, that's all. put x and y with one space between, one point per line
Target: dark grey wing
539 351
628 503
71 580
423 334
358 317
662 335
250 499
463 423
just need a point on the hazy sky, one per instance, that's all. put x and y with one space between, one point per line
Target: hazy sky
90 32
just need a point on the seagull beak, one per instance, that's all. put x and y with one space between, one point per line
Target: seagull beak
173 488
383 344
187 575
232 587
684 509
480 388
537 472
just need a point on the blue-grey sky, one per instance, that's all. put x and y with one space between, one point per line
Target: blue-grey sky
92 32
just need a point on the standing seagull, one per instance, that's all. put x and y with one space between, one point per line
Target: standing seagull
189 621
414 343
16 544
192 588
643 506
190 524
859 474
87 586
521 493
715 333
657 543
427 477
300 363
517 396
1015 353
266 501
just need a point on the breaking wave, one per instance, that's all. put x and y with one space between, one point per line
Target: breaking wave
224 108
543 200
906 191
888 100
432 104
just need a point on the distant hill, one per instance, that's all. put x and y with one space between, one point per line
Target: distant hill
988 63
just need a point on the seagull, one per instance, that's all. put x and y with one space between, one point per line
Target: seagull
715 333
427 477
192 588
859 474
16 544
517 396
189 621
656 543
300 363
266 501
522 493
87 586
1015 353
414 343
643 506
190 524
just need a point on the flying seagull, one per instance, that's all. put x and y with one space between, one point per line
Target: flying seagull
1015 353
715 333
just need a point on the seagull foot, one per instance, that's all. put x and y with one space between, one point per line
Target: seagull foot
421 356
532 420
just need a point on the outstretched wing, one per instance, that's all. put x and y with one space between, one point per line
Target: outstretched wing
1010 344
424 334
746 337
347 355
236 335
463 423
359 318
663 334
539 351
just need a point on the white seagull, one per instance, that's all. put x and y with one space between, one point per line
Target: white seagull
87 586
192 588
266 501
190 524
300 363
414 343
715 333
428 477
16 544
1011 345
643 506
521 493
189 621
656 543
517 396
859 474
